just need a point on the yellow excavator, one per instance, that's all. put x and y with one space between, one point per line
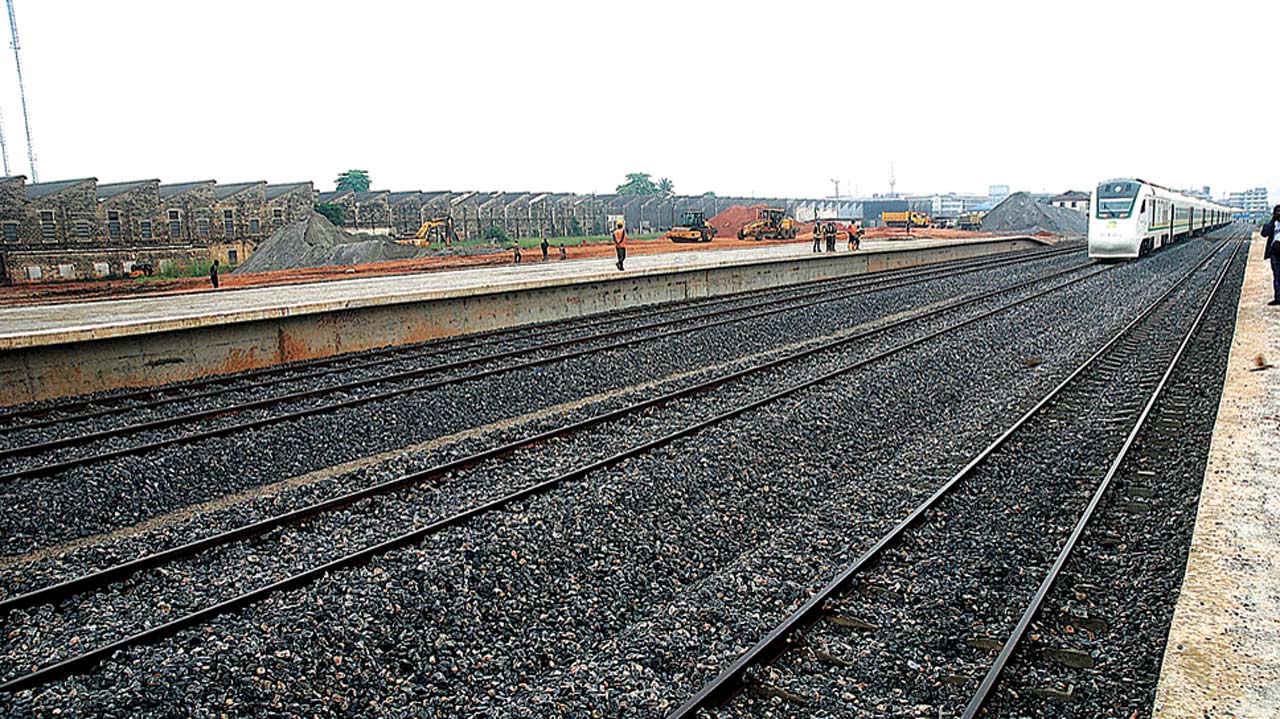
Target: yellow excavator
771 223
435 229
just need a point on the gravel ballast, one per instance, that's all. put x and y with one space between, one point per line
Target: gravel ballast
617 593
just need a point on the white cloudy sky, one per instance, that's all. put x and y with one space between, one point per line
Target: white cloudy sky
736 97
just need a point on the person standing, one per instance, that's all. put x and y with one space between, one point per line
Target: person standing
620 244
545 246
1272 252
213 274
817 237
563 253
855 234
515 250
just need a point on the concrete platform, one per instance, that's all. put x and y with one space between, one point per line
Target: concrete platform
1223 656
63 349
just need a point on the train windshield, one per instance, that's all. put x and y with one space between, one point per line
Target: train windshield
1115 199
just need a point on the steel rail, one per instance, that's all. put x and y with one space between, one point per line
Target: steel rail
90 658
60 466
979 698
115 573
730 680
373 358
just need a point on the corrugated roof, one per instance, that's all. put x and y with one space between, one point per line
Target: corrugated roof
371 195
177 188
222 192
119 188
44 189
274 191
334 195
397 197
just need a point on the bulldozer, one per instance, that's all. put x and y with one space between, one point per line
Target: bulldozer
435 229
771 223
693 227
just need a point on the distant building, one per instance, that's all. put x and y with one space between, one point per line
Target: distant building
997 193
1249 204
1072 200
1202 193
946 205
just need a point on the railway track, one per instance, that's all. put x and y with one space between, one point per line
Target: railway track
493 364
1114 597
876 623
152 397
86 660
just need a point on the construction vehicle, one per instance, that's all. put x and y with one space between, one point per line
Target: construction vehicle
904 219
693 227
969 221
435 229
771 223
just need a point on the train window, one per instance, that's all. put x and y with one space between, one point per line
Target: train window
1116 199
1144 207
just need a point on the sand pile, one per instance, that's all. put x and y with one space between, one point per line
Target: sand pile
1023 214
316 242
728 222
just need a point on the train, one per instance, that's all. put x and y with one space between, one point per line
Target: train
1130 217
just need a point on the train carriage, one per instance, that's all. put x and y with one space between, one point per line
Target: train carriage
1129 218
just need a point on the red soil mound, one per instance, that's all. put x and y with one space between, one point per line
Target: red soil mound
728 222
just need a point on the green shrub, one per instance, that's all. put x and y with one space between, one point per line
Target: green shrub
332 212
497 233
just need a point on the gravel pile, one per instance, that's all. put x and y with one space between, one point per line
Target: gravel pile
317 242
1021 213
618 593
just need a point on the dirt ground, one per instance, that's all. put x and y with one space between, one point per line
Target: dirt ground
57 292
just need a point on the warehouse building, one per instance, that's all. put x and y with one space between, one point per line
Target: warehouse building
80 229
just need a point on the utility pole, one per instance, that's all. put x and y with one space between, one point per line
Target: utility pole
837 184
893 181
22 92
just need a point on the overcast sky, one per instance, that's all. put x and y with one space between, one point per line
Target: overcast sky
740 97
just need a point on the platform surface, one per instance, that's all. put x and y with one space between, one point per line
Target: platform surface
71 322
1222 660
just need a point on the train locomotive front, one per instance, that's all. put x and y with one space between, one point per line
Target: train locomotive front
1129 218
1116 230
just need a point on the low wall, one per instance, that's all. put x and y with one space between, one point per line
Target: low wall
90 263
180 353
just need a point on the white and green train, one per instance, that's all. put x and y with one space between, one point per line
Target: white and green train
1129 218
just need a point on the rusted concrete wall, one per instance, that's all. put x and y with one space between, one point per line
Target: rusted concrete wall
43 372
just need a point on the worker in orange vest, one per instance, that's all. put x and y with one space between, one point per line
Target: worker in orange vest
620 244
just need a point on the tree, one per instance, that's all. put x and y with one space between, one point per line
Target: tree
708 194
354 180
495 232
666 186
332 212
638 183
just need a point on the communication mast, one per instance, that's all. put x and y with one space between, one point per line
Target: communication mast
22 92
4 147
893 182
